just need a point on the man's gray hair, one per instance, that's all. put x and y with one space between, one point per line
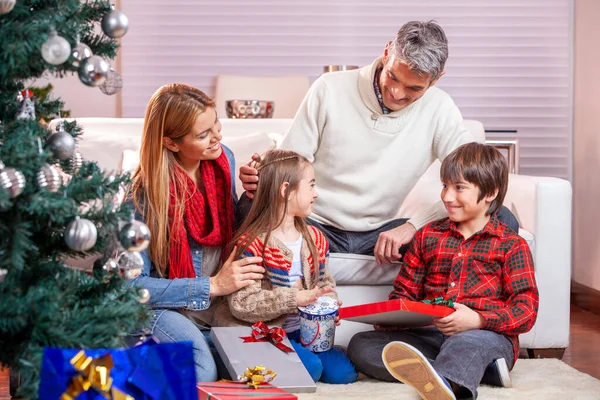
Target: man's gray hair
423 46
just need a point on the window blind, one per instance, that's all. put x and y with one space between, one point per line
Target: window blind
509 65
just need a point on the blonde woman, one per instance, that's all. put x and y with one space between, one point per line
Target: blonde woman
182 189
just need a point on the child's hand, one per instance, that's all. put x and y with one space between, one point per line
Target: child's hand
306 297
337 318
463 319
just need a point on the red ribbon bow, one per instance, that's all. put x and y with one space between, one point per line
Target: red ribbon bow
262 333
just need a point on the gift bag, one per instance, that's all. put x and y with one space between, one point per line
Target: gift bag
150 371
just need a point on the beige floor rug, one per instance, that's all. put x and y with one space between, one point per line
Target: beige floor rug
547 379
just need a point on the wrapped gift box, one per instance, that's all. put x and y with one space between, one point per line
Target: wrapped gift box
237 356
398 312
239 390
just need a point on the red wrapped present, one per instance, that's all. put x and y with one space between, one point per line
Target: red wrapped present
238 390
398 312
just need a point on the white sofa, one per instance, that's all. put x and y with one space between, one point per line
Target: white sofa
542 205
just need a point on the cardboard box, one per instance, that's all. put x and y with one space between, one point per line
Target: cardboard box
237 356
238 390
398 312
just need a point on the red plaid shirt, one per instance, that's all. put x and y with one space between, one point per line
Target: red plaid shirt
491 272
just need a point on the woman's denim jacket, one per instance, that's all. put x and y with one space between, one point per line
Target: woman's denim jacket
186 293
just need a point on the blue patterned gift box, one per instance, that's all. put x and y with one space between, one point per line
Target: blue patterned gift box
149 371
317 324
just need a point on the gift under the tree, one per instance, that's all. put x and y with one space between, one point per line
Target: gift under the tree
237 390
150 371
397 312
243 347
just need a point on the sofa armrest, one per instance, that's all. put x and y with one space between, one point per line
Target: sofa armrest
543 207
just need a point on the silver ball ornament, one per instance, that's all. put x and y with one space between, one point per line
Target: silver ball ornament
115 24
56 49
113 83
6 6
130 264
61 144
12 180
49 178
80 53
110 267
81 234
93 71
4 272
134 236
144 295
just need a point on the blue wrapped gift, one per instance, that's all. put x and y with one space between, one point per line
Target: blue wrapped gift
150 371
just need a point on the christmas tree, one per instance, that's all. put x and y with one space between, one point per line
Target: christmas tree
54 205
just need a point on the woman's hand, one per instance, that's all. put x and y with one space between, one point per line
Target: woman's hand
337 317
306 297
235 275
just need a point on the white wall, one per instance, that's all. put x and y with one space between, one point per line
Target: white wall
586 145
81 100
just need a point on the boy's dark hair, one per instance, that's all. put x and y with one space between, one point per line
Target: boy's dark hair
483 166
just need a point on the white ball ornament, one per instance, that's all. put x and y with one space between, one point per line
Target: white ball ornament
56 49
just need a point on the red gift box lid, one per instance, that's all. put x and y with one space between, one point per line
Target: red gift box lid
238 390
398 312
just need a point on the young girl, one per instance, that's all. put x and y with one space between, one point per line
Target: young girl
182 189
294 255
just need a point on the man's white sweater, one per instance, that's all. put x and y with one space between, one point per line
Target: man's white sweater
366 162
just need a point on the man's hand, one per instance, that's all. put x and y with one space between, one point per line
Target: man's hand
306 297
387 248
249 177
235 275
463 319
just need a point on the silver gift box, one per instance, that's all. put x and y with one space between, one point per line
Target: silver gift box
237 356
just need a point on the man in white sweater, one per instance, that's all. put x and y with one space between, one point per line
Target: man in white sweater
371 134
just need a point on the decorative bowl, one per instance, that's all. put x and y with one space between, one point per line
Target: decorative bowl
249 108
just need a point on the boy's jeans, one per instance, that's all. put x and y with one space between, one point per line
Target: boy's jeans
460 358
341 241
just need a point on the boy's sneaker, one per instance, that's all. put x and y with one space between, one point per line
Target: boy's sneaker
409 365
497 374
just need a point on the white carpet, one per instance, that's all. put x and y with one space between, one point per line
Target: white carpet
535 379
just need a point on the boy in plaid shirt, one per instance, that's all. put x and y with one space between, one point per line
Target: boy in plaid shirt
478 263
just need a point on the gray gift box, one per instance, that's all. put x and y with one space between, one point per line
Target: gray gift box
237 356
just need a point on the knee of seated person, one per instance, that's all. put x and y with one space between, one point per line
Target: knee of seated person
337 368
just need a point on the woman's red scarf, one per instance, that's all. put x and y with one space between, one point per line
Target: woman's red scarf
208 219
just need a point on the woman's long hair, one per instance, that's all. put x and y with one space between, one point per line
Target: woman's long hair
171 112
269 207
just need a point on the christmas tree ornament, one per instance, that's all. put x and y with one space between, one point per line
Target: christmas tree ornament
27 109
12 180
6 6
80 53
110 267
81 234
75 162
130 264
115 23
144 295
61 144
93 71
113 83
49 178
56 49
134 236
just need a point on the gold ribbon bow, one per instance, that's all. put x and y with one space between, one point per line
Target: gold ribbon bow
257 375
93 374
